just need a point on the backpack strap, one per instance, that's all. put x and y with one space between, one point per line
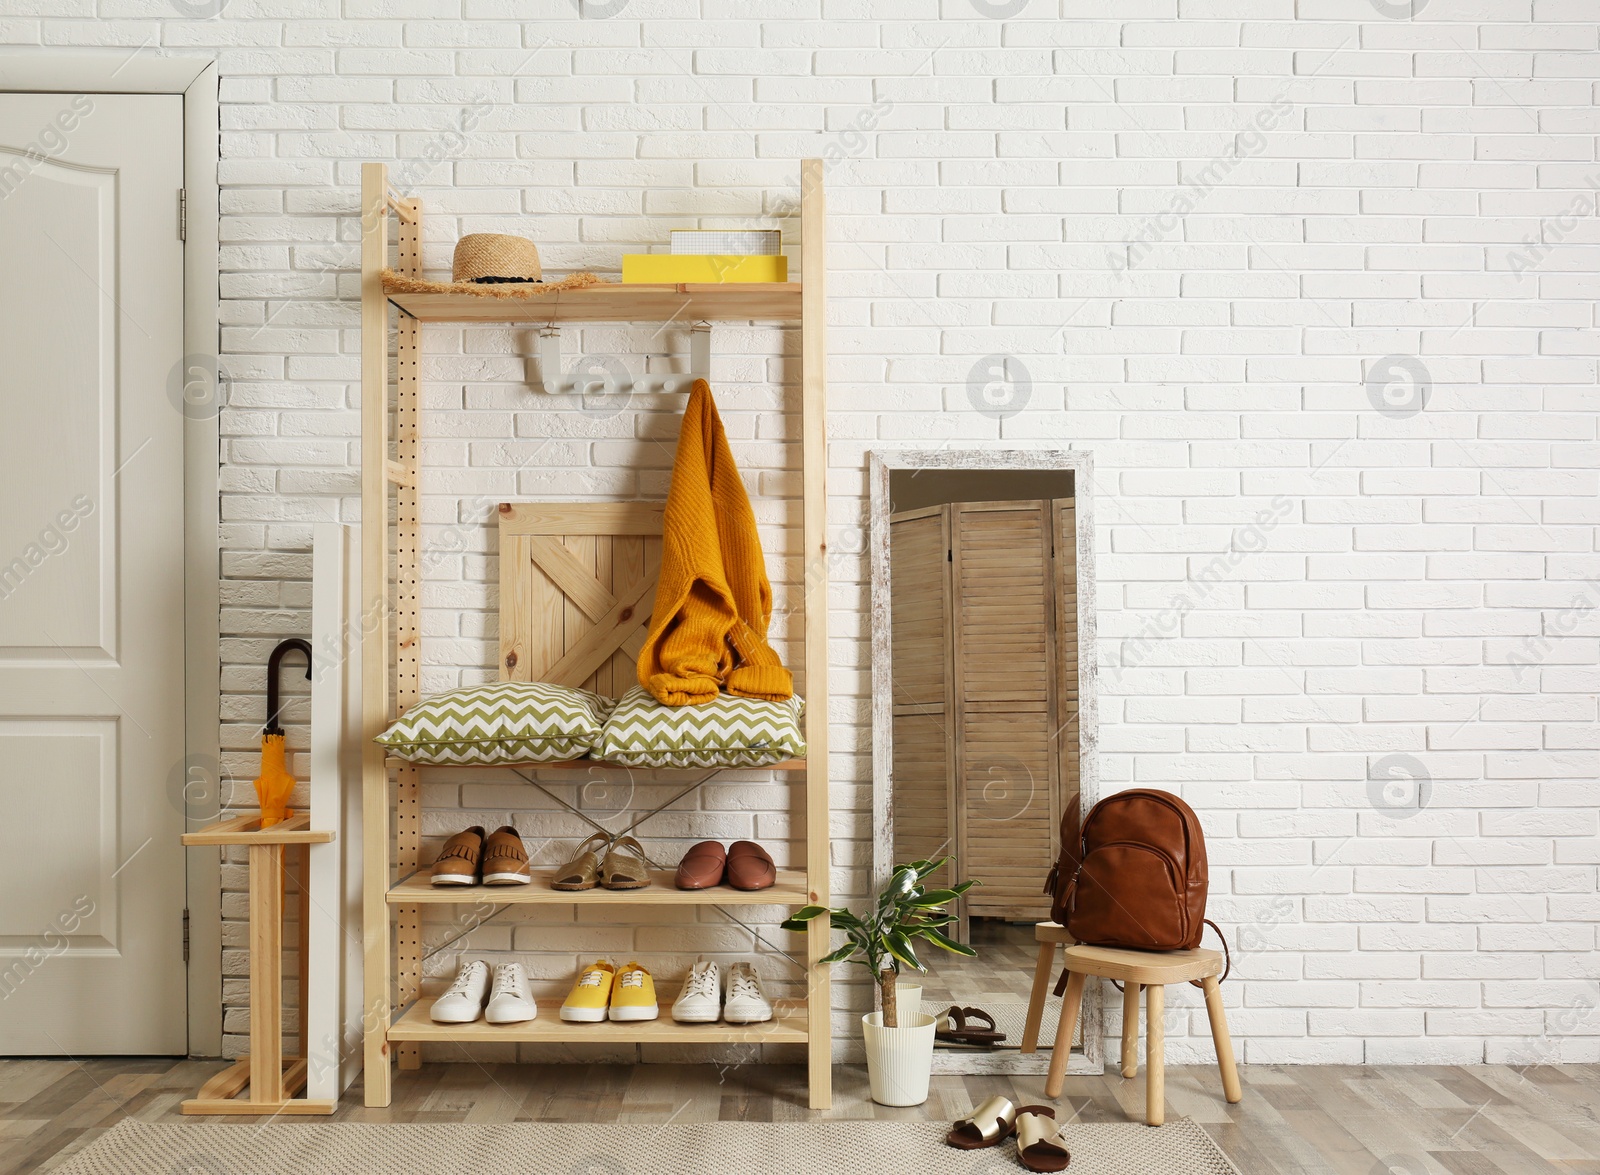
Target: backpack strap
1227 958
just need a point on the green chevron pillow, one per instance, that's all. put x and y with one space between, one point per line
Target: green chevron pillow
727 732
506 722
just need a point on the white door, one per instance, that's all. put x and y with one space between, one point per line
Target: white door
91 575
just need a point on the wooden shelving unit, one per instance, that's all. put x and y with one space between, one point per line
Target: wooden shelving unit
391 432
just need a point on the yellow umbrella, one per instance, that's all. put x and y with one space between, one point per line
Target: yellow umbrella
274 785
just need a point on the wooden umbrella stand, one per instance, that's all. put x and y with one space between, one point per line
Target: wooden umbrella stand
271 1079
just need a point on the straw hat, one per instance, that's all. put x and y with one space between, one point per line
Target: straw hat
495 257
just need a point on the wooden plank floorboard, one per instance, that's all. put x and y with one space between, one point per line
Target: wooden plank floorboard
1305 1120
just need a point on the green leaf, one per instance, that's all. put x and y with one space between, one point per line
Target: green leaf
936 897
839 955
964 886
845 920
900 947
947 943
900 885
798 920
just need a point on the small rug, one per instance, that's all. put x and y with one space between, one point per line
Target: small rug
835 1147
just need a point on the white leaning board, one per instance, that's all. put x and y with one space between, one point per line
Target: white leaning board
333 968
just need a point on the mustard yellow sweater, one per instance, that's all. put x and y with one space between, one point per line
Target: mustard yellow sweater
708 630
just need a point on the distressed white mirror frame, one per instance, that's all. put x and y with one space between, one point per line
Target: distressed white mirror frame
882 462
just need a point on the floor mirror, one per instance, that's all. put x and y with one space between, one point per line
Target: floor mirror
983 718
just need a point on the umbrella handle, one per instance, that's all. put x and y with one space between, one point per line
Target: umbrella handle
273 664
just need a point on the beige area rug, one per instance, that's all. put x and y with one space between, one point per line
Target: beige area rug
1181 1147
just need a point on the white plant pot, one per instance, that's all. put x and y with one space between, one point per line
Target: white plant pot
908 997
899 1060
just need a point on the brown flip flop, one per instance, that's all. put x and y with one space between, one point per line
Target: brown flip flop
990 1124
1039 1144
961 1034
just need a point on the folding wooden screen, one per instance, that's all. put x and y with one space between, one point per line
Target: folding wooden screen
984 614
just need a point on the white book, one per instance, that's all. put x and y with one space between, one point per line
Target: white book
733 242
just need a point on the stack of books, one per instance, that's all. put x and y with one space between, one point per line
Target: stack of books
712 255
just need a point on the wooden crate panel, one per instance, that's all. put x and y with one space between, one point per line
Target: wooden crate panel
577 582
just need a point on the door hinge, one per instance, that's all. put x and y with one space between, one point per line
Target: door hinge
186 936
183 215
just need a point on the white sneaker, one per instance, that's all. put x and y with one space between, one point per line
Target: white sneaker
700 1001
746 1002
511 1000
463 1003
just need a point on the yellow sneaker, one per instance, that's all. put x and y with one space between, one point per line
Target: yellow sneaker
634 996
587 1000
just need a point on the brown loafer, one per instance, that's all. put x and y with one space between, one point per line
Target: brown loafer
505 860
749 866
458 861
702 866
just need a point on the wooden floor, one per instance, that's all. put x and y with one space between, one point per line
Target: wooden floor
1316 1120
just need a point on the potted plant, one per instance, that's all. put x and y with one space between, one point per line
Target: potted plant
899 1045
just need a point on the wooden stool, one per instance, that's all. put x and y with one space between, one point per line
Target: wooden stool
1150 970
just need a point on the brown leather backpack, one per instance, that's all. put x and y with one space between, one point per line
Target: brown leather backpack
1134 875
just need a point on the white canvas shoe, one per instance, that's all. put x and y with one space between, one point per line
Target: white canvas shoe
511 997
700 1001
746 1002
463 1002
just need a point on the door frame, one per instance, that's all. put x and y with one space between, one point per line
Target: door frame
880 463
199 778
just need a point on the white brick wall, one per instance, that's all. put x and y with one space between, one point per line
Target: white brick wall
1212 232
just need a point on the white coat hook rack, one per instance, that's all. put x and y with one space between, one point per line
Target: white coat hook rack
555 383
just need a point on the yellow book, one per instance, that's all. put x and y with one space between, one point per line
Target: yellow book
688 267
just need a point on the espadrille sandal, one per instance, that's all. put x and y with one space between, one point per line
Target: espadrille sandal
624 866
990 1124
583 871
1039 1143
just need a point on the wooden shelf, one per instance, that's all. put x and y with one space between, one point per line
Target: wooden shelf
392 435
598 765
419 890
247 830
686 302
787 1026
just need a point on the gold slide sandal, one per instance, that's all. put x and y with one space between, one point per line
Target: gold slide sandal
988 1125
624 866
583 871
1039 1143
